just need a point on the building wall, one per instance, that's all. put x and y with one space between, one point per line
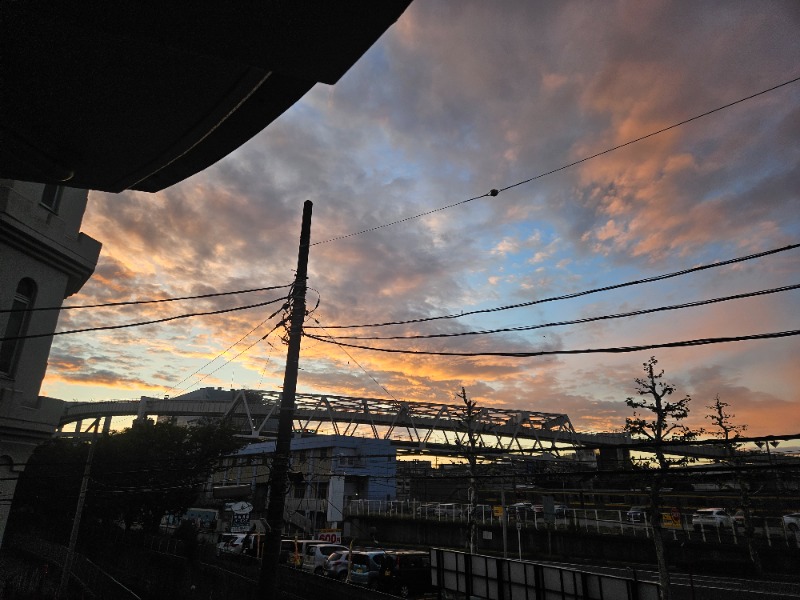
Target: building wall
367 465
44 247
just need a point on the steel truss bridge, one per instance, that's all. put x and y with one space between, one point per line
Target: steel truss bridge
413 427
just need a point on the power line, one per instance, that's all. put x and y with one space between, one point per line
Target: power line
575 321
350 356
136 302
612 350
573 295
230 347
141 323
204 377
495 192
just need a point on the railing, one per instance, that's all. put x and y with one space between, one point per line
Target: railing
767 530
94 580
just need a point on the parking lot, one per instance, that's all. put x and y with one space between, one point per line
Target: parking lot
770 530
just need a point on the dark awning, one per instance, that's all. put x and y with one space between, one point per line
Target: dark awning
140 95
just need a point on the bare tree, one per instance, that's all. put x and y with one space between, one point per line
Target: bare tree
658 419
468 422
728 431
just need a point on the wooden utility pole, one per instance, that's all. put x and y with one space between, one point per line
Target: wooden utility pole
278 477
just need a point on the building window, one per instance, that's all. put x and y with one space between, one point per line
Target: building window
51 197
322 490
17 325
299 491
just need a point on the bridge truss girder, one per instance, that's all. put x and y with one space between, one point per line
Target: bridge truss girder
417 425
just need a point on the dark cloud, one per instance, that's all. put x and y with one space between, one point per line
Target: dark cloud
456 99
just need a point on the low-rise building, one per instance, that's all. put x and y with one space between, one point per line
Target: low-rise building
326 472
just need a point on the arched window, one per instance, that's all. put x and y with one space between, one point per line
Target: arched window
17 325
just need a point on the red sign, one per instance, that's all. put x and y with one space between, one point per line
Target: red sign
332 536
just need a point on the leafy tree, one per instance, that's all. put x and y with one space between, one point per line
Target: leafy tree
137 475
658 419
47 490
729 431
151 469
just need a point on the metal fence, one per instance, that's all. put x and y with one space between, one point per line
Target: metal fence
93 580
492 578
769 531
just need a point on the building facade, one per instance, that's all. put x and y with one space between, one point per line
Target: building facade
326 473
44 258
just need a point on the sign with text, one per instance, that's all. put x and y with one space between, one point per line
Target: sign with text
332 536
240 523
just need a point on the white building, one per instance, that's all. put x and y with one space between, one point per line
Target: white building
44 258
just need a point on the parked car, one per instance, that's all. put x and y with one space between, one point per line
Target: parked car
637 514
293 551
426 510
365 567
447 511
738 518
521 510
711 517
337 565
232 544
315 555
792 522
405 573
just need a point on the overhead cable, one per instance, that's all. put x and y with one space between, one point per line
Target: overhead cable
573 295
573 322
351 357
281 322
495 192
141 323
613 350
136 302
221 354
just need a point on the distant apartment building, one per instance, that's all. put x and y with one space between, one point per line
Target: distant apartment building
326 472
44 258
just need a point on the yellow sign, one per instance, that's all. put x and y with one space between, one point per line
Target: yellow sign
669 520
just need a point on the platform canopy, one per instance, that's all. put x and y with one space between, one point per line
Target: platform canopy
140 95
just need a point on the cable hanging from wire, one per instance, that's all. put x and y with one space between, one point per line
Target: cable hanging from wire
611 350
358 364
573 295
138 302
634 313
495 192
239 341
283 322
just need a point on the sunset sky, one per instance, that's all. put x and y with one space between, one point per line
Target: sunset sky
458 98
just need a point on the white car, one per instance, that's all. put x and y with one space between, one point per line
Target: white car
447 511
315 555
792 522
232 543
711 517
